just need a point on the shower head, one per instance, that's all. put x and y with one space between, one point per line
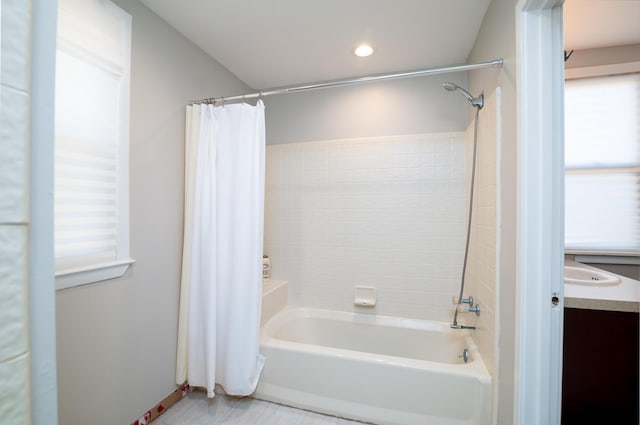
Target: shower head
449 86
478 102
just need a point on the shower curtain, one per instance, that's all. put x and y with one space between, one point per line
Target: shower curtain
221 285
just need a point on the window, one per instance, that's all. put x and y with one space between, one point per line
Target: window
602 159
91 198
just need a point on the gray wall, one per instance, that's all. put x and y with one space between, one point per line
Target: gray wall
117 339
408 106
496 39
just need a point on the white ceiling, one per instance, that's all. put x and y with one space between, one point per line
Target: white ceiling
275 43
601 23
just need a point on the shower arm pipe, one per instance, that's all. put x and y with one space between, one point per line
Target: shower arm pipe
497 63
465 260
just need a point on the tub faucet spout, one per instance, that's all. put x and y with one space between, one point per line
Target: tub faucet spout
457 326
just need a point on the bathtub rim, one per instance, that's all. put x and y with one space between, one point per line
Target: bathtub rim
270 285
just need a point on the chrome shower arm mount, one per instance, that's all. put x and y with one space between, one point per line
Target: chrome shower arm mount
478 102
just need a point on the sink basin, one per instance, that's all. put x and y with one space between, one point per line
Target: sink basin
583 276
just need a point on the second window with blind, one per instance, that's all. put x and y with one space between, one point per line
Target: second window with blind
91 196
602 161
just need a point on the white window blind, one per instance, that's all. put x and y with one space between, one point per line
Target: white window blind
91 138
602 159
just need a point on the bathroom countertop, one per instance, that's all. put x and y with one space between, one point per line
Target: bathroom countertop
624 296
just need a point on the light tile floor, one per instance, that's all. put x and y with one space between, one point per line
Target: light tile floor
196 409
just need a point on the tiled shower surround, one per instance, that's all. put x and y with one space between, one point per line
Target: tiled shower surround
387 212
482 276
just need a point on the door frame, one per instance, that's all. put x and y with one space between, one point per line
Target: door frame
540 244
42 318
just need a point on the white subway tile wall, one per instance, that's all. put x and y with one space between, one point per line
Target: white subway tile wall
13 300
15 63
387 212
14 130
15 69
14 115
15 396
482 269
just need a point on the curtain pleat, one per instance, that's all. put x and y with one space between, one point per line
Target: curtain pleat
192 135
221 290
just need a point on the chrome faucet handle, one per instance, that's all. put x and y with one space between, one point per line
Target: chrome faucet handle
469 309
472 309
454 300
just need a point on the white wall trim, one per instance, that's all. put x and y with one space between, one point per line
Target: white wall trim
42 302
540 212
600 70
69 278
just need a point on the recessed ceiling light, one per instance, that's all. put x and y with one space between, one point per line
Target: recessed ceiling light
363 50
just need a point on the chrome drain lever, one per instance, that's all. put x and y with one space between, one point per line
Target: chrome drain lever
464 356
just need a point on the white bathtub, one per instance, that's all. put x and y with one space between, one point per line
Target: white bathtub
377 369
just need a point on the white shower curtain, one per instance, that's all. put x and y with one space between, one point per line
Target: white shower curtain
220 296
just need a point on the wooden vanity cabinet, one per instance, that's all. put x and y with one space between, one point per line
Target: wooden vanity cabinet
600 367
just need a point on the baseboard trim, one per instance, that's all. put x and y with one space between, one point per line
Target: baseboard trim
161 407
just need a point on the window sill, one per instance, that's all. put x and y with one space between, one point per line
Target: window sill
69 278
604 257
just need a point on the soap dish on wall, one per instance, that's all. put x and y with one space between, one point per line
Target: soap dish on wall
364 296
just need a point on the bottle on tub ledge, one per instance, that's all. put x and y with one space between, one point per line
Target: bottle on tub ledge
266 267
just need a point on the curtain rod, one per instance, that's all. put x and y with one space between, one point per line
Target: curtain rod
497 63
